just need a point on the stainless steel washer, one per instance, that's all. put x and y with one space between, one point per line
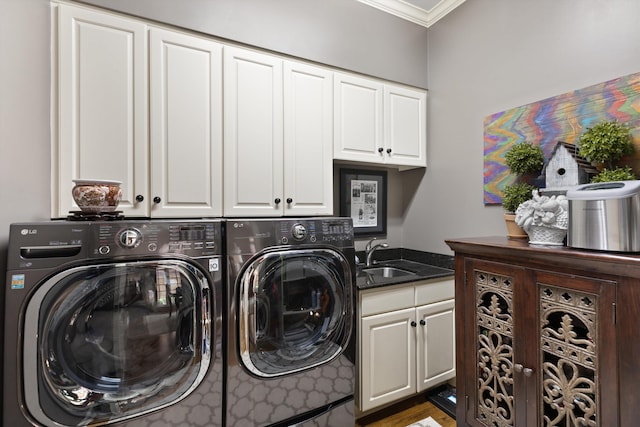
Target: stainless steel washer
114 321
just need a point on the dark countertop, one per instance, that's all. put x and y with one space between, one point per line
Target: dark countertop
424 265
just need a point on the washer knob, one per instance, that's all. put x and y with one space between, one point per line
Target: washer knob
299 232
130 238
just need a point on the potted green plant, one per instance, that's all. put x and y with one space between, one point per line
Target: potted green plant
513 196
516 194
616 174
606 142
524 158
526 161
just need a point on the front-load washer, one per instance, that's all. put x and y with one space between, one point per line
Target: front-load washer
114 322
291 353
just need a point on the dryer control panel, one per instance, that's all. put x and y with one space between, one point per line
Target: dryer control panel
246 236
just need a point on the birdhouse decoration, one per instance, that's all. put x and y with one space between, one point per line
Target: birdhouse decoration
566 168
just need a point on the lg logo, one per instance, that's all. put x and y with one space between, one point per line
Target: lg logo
27 231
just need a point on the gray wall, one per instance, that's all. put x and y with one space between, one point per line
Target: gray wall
342 33
25 160
491 55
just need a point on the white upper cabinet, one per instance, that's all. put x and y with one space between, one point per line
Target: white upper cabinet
377 122
308 140
113 91
193 127
253 156
186 125
358 119
405 126
277 136
102 106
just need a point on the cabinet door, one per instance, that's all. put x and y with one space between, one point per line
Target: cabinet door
436 357
102 101
405 126
308 140
358 117
487 391
388 358
186 125
539 348
572 373
253 140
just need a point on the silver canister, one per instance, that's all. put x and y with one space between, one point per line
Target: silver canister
605 216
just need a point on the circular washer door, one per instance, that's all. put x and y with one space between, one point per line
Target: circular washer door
115 341
295 310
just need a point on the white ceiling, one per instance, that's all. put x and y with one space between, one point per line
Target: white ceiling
422 12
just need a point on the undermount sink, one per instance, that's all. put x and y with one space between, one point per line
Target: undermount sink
387 272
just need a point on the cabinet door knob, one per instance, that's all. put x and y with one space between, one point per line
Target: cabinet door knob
139 198
289 200
528 372
388 150
413 324
157 200
422 322
380 150
277 201
518 367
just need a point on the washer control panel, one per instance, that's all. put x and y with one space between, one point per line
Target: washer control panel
191 238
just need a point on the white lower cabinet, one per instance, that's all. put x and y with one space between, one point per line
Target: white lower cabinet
406 341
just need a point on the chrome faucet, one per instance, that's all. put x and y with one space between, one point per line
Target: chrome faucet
369 250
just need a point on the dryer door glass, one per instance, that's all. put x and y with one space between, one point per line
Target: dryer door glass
295 310
117 340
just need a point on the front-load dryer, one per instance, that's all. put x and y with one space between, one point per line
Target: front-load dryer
290 322
114 322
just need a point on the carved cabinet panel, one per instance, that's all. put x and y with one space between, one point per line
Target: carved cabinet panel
539 348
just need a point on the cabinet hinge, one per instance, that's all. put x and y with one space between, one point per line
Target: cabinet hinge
613 312
466 403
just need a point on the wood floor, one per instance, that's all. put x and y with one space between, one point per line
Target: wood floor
406 413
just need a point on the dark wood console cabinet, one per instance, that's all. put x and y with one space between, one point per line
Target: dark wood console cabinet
545 336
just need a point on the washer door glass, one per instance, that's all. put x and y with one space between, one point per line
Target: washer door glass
115 341
295 310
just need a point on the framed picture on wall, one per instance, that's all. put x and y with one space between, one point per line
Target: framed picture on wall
363 197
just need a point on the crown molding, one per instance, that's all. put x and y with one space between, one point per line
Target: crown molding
412 13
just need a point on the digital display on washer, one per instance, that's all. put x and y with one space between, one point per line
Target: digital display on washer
192 233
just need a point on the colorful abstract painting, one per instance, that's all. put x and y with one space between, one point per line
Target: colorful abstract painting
560 118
